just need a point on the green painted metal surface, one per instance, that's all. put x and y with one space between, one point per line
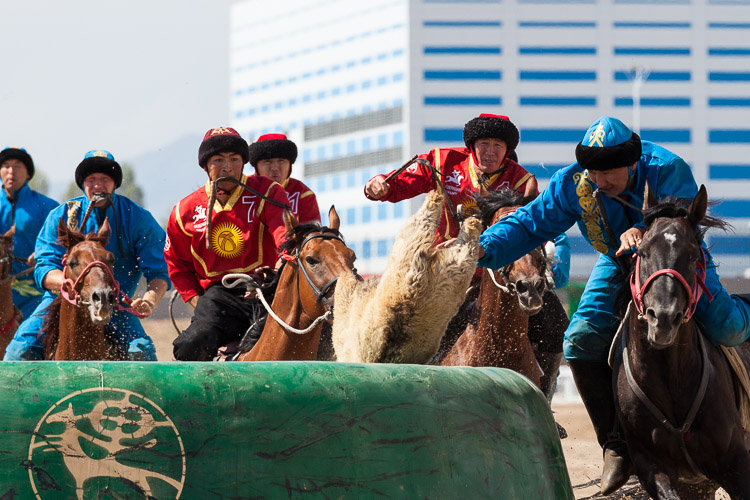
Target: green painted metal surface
274 430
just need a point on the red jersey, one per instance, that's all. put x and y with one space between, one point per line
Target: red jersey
460 180
303 201
245 234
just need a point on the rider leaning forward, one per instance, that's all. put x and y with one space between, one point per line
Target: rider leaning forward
246 230
26 209
273 156
136 241
486 161
613 159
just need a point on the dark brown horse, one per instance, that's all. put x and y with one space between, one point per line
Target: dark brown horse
497 331
75 327
316 257
675 394
10 315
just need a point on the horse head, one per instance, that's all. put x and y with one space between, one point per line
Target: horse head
667 278
6 254
88 280
321 256
527 277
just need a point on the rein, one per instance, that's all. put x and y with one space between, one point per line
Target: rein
72 295
694 293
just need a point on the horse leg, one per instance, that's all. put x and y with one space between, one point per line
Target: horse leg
734 477
657 484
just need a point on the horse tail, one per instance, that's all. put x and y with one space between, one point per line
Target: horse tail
51 327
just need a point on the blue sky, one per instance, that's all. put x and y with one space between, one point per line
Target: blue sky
127 76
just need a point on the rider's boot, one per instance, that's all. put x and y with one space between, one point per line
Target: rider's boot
594 383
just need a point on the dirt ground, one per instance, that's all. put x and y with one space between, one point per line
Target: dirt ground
583 456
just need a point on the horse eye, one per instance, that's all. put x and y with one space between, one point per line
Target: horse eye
311 260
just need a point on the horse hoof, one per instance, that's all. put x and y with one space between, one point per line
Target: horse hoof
561 431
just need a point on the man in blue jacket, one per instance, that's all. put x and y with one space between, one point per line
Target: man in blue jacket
613 159
26 209
137 242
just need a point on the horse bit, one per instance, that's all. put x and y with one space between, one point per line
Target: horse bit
72 295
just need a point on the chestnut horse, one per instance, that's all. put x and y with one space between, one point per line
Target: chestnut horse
314 259
675 394
75 327
497 331
10 315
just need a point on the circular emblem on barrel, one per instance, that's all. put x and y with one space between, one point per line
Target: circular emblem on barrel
106 440
226 240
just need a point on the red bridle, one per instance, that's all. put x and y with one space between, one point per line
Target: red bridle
694 293
71 294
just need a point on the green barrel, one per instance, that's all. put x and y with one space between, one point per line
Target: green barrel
274 430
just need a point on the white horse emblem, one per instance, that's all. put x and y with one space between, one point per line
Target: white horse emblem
456 177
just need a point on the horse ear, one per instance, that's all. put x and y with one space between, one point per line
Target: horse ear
334 222
290 222
699 206
649 198
63 234
104 232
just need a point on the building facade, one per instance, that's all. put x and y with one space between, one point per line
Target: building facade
363 86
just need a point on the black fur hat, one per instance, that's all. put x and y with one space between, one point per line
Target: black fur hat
609 144
487 126
221 140
20 154
98 161
272 146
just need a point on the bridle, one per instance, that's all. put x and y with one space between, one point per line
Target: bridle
7 262
69 288
694 292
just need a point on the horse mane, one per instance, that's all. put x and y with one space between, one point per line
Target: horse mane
489 203
674 207
51 326
298 234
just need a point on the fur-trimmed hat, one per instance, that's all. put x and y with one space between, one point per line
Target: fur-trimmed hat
221 140
20 154
487 126
608 144
272 146
98 161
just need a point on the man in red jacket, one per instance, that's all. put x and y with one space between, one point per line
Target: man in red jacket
273 155
483 161
246 229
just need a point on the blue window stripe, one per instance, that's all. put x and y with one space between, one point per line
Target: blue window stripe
726 51
462 24
557 75
461 1
557 101
644 24
654 101
556 24
728 136
729 172
443 135
461 75
661 76
462 100
728 76
552 135
461 50
729 101
743 26
557 1
557 50
651 51
731 208
666 135
544 171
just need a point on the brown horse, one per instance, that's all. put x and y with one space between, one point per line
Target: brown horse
75 327
675 394
497 331
10 315
317 256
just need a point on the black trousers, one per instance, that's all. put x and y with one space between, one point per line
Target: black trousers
221 316
547 327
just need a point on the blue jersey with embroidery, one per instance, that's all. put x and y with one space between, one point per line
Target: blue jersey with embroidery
569 199
27 212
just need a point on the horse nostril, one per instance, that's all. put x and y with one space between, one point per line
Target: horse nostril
651 314
677 319
96 298
111 297
521 287
539 285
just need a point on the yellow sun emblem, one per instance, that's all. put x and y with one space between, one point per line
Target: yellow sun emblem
226 240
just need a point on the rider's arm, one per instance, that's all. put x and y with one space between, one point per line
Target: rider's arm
179 261
154 292
415 180
561 267
49 253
